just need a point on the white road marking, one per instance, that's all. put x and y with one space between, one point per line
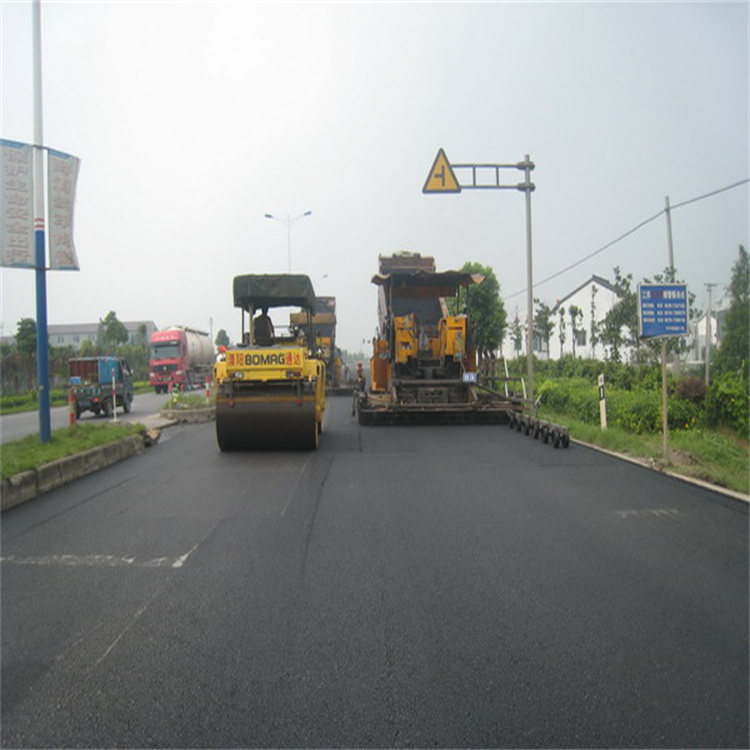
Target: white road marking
105 561
648 513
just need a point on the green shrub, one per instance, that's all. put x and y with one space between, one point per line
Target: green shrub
638 411
691 388
728 403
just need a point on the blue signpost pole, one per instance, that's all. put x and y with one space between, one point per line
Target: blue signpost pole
663 312
42 339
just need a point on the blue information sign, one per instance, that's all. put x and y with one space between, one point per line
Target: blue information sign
662 310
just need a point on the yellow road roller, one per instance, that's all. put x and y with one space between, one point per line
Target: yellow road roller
270 389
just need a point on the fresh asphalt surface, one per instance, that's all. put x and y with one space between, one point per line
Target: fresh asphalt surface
400 587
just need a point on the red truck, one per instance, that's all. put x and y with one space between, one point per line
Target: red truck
181 358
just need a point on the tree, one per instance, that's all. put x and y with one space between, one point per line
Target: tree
516 334
594 326
576 316
561 328
222 339
489 318
26 347
544 324
619 328
26 336
734 349
113 331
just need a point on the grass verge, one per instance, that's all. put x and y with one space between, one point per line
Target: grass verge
28 453
719 458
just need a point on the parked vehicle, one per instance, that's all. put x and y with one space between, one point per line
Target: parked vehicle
101 384
181 358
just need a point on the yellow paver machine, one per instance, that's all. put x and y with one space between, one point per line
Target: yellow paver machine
270 389
424 365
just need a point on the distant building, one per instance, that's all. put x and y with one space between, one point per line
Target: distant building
74 334
715 328
594 298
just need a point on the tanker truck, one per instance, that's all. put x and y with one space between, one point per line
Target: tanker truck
181 358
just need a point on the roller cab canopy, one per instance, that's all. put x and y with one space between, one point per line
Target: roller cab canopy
426 284
255 291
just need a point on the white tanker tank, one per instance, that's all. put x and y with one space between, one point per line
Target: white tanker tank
181 357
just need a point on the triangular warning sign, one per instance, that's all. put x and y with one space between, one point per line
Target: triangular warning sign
442 178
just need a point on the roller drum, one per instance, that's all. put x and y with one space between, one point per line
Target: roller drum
266 423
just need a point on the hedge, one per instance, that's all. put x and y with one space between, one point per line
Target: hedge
638 411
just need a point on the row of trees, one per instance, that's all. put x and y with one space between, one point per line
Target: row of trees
18 362
617 332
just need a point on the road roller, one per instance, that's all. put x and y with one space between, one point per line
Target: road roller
270 388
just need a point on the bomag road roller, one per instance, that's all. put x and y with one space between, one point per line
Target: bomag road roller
270 389
424 365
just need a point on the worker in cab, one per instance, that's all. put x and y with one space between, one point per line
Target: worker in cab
263 333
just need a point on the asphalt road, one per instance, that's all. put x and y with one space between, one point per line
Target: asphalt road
16 426
400 587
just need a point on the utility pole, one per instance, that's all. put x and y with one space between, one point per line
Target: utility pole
670 246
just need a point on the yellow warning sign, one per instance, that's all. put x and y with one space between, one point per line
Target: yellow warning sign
441 179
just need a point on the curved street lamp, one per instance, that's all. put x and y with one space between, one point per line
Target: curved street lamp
287 222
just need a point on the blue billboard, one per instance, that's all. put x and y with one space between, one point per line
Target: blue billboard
662 310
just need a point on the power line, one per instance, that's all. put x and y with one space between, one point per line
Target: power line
628 233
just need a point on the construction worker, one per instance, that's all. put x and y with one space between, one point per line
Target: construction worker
359 387
263 333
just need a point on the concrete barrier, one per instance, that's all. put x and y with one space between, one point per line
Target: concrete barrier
190 416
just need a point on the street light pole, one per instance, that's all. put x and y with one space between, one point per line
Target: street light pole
287 222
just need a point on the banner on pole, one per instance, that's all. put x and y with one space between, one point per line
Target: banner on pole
62 176
17 213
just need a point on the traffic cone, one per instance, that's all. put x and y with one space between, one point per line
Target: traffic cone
71 407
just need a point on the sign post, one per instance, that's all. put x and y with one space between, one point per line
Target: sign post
442 178
663 313
602 404
24 239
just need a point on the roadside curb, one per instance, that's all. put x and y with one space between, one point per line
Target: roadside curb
653 466
27 485
189 416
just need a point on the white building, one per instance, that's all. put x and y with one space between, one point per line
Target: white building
708 328
75 334
593 300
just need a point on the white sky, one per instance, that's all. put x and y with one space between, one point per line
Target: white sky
193 120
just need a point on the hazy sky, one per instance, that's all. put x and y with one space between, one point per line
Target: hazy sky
194 119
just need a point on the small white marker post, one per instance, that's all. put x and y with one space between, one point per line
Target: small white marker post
602 404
